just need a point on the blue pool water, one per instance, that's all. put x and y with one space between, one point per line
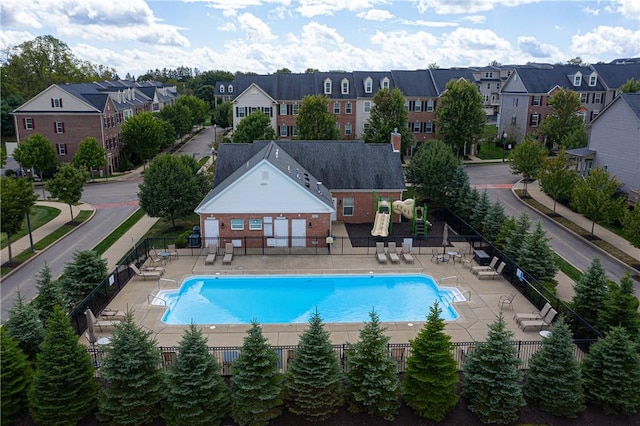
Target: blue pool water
293 299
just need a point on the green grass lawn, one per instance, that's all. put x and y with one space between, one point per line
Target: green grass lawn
489 151
164 229
39 216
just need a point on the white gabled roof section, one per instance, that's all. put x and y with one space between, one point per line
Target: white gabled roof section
42 102
253 91
265 189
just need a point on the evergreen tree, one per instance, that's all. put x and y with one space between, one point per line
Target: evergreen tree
372 374
480 210
196 393
537 258
508 227
257 393
554 379
590 292
85 271
16 375
25 326
460 188
134 383
620 308
492 378
469 204
64 388
431 376
314 377
611 372
515 240
49 294
494 221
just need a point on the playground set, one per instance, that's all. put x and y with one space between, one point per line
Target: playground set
383 224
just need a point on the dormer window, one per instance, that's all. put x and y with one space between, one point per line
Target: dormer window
385 83
577 79
230 89
593 79
345 86
222 88
56 102
327 86
368 85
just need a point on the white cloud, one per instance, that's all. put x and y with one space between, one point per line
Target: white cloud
18 13
422 23
628 8
14 38
443 7
311 8
475 19
590 11
255 28
606 41
375 15
467 46
227 26
531 47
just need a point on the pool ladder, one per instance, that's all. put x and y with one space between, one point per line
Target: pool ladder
151 298
465 293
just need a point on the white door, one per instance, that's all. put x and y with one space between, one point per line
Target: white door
334 213
281 232
211 232
298 233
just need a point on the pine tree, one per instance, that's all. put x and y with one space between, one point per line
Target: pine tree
64 388
372 374
508 227
85 271
515 240
611 372
460 188
494 221
49 294
492 378
480 210
16 375
25 326
620 308
590 292
537 258
431 376
257 393
196 393
134 383
314 377
554 379
469 203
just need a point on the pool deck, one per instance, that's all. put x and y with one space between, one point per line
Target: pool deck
476 313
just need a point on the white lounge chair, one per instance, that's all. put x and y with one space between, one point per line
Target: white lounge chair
99 323
228 254
540 324
393 253
492 274
146 273
380 255
406 253
490 267
506 300
211 254
530 316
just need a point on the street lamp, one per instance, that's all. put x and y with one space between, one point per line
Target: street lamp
503 138
214 134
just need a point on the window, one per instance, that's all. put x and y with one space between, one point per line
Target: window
59 126
513 119
595 113
515 102
368 85
534 120
486 98
241 111
156 107
367 106
497 86
345 86
597 98
418 106
347 129
255 224
237 224
385 83
222 88
62 149
347 206
327 87
267 111
283 130
253 109
56 103
365 127
283 109
295 131
28 123
536 100
336 107
488 75
416 127
347 108
296 107
488 86
584 98
577 79
582 115
430 105
428 127
593 79
407 105
230 89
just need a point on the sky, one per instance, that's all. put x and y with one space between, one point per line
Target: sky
262 36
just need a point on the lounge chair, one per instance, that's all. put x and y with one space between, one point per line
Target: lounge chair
146 273
406 253
211 254
492 274
490 267
380 255
541 323
506 300
530 316
99 323
173 251
439 257
393 253
112 314
228 254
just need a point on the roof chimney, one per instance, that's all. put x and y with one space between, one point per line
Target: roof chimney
396 140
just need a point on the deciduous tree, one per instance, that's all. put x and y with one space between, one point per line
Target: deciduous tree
431 376
223 115
631 225
257 393
388 114
492 377
563 121
16 375
314 120
17 199
67 185
557 178
433 170
590 292
255 126
459 115
554 379
527 159
180 117
197 108
631 86
36 152
142 135
64 388
90 156
372 374
314 377
595 196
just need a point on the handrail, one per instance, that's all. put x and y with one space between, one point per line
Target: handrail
449 278
167 279
155 297
463 292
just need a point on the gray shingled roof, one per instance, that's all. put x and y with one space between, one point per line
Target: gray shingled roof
414 83
441 76
339 165
376 76
633 100
615 75
542 79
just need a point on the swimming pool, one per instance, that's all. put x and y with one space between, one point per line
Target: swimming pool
293 298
